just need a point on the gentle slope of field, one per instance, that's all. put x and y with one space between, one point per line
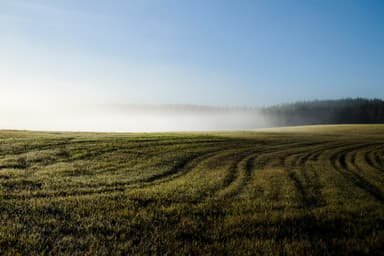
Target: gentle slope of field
295 191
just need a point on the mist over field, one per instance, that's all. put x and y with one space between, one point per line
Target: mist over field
129 118
162 118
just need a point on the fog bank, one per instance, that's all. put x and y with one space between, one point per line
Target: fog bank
129 118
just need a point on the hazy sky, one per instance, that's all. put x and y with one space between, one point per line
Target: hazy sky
212 52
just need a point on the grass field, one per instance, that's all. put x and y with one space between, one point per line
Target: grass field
294 191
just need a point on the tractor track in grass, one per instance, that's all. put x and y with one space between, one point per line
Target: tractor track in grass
248 157
181 168
239 176
262 160
341 165
120 186
373 159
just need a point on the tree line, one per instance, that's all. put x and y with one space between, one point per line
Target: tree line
343 111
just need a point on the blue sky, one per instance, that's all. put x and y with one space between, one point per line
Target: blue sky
211 52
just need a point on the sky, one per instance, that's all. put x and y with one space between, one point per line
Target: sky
57 53
209 52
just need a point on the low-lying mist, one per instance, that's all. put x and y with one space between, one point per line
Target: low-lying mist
162 118
129 118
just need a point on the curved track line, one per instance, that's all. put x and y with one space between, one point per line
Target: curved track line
339 163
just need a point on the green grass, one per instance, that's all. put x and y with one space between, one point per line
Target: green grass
293 191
